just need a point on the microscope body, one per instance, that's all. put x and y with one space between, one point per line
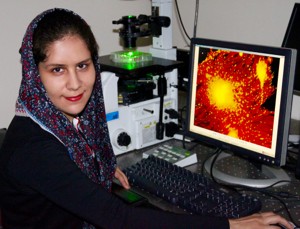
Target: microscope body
141 98
134 125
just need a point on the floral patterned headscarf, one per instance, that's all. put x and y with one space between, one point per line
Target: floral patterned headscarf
88 146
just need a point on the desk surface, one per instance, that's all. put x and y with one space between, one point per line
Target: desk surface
234 165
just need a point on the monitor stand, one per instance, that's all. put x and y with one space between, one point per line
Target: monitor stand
271 175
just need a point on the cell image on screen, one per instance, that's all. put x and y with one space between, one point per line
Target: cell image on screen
235 94
240 97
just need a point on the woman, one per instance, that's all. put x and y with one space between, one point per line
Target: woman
56 163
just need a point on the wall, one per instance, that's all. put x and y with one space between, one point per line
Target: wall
248 21
251 21
16 15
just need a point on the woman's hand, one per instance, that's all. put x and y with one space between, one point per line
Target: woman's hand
122 178
260 221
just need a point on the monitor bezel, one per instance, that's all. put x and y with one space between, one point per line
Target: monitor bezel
285 102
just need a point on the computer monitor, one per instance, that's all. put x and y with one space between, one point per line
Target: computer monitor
292 40
240 100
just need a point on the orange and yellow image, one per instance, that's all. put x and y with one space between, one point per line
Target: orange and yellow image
235 95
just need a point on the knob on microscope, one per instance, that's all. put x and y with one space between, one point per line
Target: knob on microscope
123 139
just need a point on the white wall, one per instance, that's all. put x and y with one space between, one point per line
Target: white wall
250 21
15 15
255 21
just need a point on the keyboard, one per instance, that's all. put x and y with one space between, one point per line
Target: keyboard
189 191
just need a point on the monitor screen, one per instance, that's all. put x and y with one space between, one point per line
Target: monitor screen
240 98
292 40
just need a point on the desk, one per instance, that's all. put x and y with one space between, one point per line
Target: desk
237 165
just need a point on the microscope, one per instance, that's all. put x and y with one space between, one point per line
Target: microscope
140 89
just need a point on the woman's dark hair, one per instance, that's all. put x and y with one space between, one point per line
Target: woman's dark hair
56 25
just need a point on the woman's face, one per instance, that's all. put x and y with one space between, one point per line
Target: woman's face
68 75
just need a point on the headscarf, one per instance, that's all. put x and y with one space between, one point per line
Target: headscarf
89 146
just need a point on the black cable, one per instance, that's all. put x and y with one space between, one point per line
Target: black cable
239 188
264 190
236 186
275 195
218 152
180 20
196 18
183 141
287 210
207 158
284 194
196 144
181 119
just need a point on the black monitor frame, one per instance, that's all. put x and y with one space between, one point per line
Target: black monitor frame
292 40
280 149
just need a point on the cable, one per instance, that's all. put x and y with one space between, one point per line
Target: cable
181 117
275 195
217 151
282 203
181 23
181 121
196 18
